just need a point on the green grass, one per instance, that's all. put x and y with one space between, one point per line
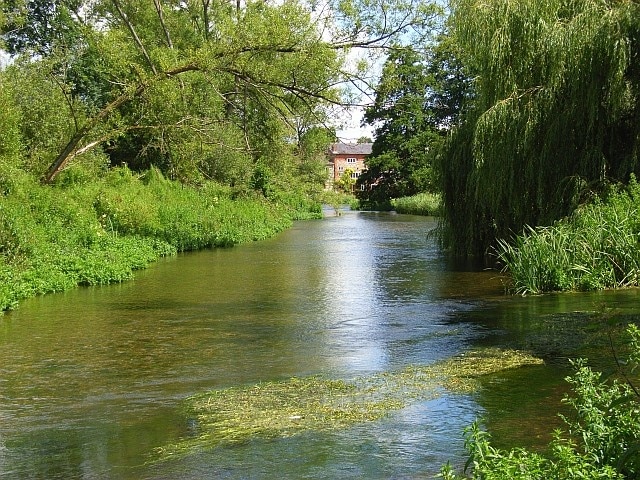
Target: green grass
427 204
598 247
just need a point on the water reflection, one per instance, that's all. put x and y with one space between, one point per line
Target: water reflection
91 381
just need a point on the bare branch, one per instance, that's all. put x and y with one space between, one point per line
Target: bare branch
158 6
136 39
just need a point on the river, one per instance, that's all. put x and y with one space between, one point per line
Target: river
93 380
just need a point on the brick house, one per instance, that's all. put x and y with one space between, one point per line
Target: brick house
347 156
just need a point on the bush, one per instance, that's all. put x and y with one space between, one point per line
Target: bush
602 440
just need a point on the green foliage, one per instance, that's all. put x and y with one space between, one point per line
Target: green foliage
101 231
555 113
418 99
40 26
42 114
337 199
602 440
311 156
10 138
404 125
200 90
346 182
596 248
419 204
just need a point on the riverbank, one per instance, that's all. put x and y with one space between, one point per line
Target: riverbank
54 238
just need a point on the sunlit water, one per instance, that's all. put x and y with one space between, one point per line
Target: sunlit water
93 380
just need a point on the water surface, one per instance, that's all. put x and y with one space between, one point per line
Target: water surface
93 380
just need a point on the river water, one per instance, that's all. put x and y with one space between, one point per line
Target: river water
93 380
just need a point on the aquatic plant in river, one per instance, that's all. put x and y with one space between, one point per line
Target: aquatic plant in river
278 409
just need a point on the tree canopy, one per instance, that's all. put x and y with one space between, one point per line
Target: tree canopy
556 114
418 99
199 89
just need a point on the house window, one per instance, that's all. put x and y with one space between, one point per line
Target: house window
351 160
340 169
355 174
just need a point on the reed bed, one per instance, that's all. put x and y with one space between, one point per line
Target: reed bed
598 247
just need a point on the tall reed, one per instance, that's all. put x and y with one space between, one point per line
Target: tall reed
598 247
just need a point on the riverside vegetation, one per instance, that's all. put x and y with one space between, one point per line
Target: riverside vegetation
602 437
53 238
517 112
596 247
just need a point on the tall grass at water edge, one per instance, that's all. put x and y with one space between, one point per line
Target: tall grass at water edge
427 204
53 238
598 247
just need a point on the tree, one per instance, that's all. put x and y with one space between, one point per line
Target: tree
189 76
555 116
418 99
312 155
182 85
39 26
346 181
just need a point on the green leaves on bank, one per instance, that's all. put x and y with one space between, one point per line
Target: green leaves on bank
601 440
555 115
53 238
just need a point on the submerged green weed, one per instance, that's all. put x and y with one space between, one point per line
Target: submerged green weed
289 407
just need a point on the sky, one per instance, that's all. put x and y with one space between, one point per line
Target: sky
352 130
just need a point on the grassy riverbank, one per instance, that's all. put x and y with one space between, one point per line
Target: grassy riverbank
99 231
427 204
598 247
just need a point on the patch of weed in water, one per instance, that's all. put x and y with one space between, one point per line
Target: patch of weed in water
285 408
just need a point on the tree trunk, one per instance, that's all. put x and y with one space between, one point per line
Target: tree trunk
70 149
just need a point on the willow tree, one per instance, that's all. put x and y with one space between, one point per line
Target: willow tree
556 114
